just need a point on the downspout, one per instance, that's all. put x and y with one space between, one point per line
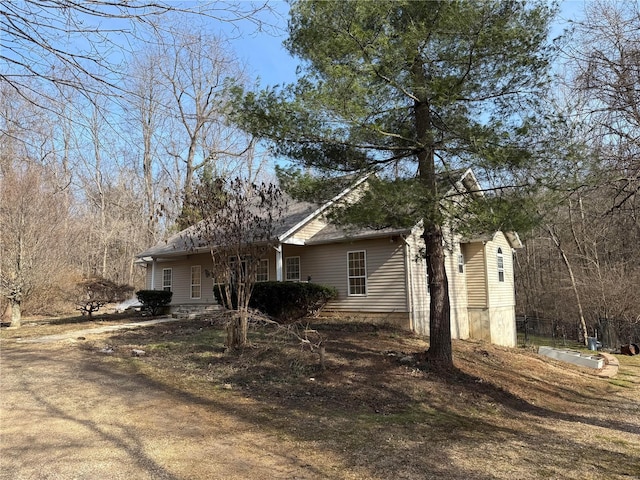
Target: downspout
487 266
487 262
409 283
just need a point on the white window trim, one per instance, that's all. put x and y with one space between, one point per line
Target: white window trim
199 284
500 264
170 284
460 262
265 260
349 277
286 270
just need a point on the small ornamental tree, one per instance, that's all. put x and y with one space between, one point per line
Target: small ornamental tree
239 221
94 293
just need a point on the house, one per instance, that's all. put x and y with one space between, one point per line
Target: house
379 274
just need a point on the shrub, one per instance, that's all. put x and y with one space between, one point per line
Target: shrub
153 301
290 301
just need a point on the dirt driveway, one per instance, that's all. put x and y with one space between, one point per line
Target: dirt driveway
187 409
65 415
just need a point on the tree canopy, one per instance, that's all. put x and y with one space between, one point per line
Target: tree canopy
412 90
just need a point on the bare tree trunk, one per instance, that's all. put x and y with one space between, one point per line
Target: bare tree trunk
18 277
16 313
237 330
6 316
574 285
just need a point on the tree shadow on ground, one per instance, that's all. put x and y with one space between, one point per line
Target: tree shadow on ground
377 415
459 379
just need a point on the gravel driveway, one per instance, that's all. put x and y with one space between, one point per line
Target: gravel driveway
66 415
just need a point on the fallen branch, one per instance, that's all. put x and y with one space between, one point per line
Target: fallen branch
308 338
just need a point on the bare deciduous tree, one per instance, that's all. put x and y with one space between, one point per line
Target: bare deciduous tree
595 230
197 70
604 66
239 223
148 118
578 271
89 39
30 227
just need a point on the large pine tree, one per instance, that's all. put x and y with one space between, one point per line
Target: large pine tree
409 89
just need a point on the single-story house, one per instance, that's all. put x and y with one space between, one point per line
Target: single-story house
379 274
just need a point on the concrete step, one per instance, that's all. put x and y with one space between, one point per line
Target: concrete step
185 312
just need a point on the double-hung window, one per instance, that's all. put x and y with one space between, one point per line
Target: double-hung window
262 271
357 273
196 281
166 279
292 269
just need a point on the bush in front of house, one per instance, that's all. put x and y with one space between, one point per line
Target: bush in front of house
154 301
290 301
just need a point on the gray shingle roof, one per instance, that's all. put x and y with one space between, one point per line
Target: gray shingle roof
188 240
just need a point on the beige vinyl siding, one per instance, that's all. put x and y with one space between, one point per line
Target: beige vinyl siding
417 279
310 229
355 194
457 288
492 307
327 264
181 279
147 277
475 274
501 294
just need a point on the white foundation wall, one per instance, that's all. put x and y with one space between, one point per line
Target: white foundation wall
503 326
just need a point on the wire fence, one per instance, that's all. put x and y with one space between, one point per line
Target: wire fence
606 334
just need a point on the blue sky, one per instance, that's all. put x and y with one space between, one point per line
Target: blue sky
264 53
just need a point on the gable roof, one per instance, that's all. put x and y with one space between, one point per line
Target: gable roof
299 214
187 240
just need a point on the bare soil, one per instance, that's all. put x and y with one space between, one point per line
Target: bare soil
91 408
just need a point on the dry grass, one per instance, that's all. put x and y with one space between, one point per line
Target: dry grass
377 413
502 412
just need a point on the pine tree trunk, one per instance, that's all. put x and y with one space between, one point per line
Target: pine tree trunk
440 351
